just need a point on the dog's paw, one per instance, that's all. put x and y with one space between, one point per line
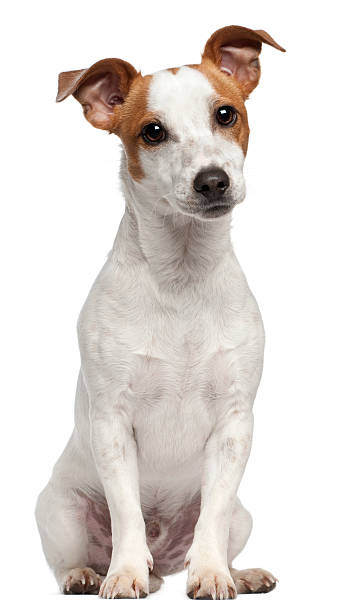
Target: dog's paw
255 580
81 581
210 584
124 585
155 583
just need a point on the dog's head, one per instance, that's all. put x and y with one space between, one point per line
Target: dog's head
184 130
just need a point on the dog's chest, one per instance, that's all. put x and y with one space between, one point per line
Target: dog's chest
178 385
172 364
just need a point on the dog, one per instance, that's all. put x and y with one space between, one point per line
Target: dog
171 341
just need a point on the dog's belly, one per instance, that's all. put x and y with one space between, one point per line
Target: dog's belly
169 532
170 535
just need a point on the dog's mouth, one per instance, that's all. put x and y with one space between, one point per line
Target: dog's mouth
207 210
213 210
217 210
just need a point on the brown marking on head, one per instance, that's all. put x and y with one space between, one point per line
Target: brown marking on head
133 116
173 70
228 94
114 98
230 62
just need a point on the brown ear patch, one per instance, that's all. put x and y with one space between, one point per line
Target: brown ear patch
235 50
236 36
99 89
70 82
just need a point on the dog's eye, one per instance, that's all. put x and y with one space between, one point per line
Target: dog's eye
226 115
153 133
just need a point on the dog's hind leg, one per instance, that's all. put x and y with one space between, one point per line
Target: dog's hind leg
255 580
60 515
76 538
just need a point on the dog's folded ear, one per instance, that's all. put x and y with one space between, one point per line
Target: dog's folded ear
235 50
99 89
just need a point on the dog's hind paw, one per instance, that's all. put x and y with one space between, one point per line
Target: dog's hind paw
81 581
255 580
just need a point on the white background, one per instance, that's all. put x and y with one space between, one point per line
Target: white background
60 211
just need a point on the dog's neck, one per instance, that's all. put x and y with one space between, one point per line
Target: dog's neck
178 249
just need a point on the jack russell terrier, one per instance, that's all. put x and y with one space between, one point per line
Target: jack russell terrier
171 341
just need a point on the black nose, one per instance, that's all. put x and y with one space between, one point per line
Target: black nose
211 182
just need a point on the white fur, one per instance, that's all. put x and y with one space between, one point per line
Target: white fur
184 104
171 344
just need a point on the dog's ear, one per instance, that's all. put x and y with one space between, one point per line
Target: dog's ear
235 50
99 89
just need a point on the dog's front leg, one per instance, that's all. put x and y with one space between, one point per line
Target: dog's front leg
115 453
226 454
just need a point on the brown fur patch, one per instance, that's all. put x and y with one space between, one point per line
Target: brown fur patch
133 114
239 37
229 94
129 118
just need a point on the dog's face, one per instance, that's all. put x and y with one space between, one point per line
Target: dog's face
184 130
189 141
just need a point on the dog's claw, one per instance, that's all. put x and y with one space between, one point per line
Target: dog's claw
150 564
